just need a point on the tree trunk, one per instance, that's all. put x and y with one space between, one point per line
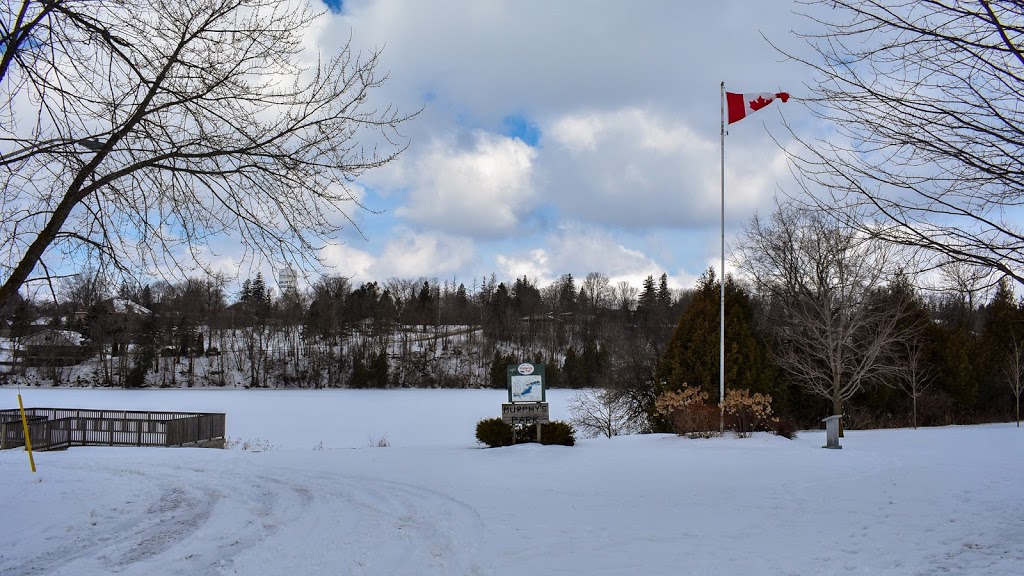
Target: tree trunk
915 412
837 410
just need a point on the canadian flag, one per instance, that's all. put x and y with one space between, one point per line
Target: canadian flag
742 105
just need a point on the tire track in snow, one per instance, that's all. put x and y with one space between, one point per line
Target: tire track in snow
369 526
189 519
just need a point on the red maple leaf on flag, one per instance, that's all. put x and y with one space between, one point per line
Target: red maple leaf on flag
761 102
742 105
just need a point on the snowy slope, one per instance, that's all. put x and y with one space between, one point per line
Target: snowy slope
926 501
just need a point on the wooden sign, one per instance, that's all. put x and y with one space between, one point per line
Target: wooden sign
525 413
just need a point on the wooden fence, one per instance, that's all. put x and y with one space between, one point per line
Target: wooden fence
58 428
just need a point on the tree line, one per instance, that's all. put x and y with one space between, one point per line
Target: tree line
820 318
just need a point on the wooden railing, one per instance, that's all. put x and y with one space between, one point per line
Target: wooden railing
56 428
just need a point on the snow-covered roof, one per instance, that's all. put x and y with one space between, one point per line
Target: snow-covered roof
123 305
53 338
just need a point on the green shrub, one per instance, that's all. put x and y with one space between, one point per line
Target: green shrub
557 432
493 432
553 433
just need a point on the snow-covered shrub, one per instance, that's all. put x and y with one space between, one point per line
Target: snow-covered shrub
249 445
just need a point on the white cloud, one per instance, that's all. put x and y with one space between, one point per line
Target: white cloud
482 191
630 167
413 255
579 250
640 168
573 54
344 260
535 265
577 132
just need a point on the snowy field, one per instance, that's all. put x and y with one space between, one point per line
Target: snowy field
322 498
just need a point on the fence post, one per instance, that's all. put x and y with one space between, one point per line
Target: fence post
28 438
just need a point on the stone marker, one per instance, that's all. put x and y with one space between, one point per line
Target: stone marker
831 432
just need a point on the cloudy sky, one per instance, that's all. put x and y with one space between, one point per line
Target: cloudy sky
566 137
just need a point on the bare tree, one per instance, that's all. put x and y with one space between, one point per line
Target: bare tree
624 295
600 412
138 131
1014 371
825 301
914 376
85 289
595 292
967 283
925 96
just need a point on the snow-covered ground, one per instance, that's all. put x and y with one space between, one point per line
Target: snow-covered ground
321 498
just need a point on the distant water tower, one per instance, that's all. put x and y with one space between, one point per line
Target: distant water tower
287 280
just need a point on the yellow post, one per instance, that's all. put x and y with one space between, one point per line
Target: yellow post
28 440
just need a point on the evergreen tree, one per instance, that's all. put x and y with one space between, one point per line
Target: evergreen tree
360 374
255 297
378 371
425 305
461 305
498 373
953 345
647 303
567 294
1003 326
572 374
526 299
497 322
664 295
692 355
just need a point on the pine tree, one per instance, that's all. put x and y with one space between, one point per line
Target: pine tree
664 296
378 376
648 297
1003 326
572 376
692 355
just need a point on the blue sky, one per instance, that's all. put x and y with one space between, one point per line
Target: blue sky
565 137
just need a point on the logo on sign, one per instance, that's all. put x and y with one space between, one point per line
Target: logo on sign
526 369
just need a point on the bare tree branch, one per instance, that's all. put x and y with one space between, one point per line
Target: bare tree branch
825 292
161 126
924 97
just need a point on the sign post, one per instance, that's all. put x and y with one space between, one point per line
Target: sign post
526 397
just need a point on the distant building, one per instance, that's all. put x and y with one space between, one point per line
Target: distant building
287 280
114 306
51 347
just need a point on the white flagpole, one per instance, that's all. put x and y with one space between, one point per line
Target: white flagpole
721 280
